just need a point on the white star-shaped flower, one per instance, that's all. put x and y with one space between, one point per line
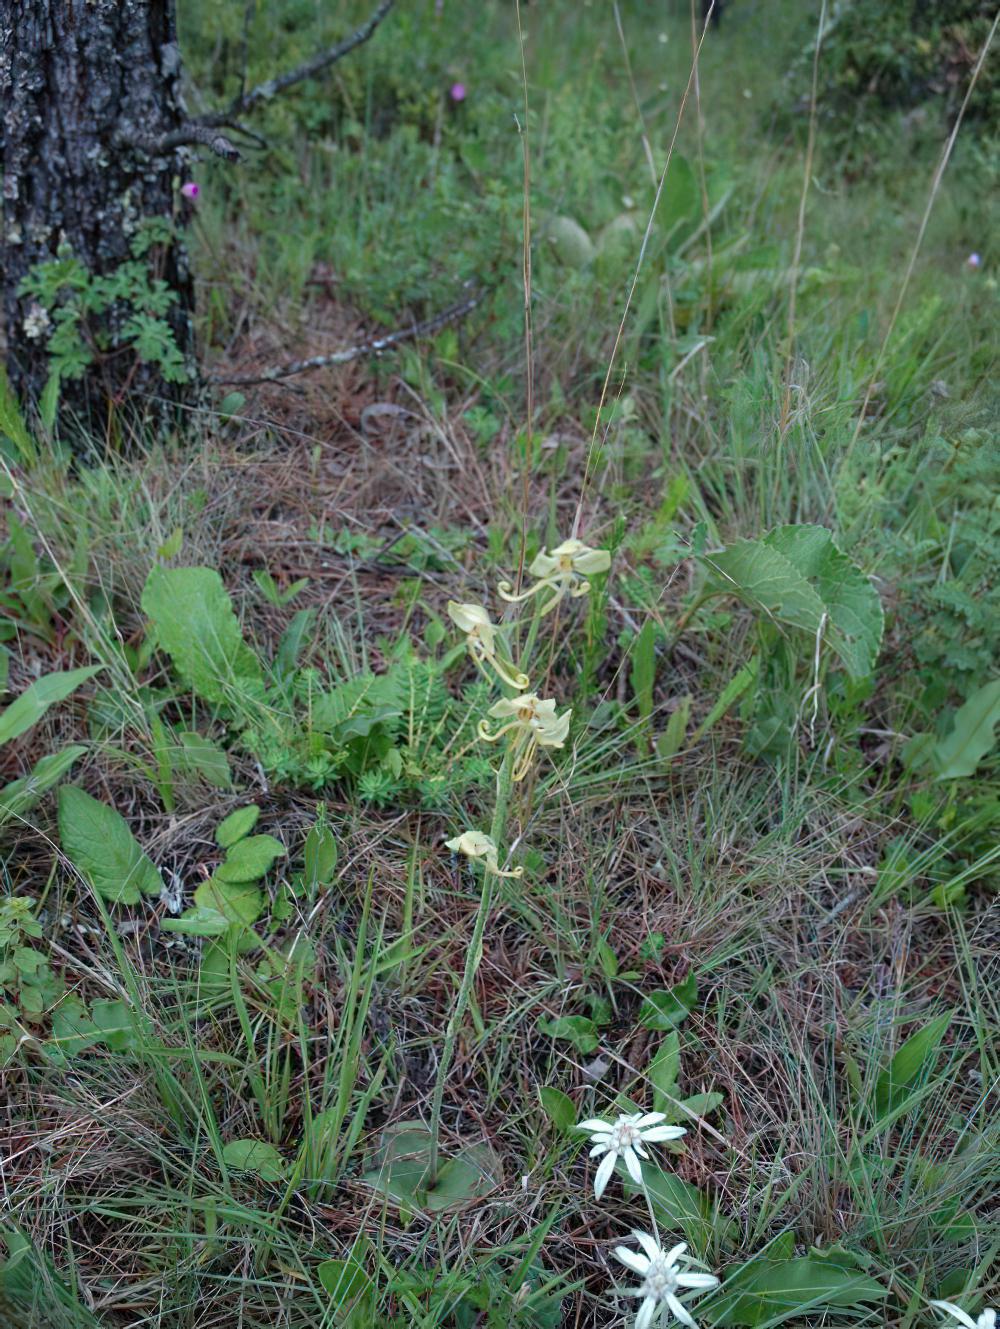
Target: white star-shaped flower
625 1139
562 571
987 1319
663 1276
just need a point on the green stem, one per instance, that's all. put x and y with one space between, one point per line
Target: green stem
472 959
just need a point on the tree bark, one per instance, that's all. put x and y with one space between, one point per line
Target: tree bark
89 91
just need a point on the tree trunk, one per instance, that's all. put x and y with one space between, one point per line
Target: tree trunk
89 89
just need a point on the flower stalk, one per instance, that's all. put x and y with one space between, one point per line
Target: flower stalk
472 960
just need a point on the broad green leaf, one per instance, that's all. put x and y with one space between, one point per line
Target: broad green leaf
558 1107
782 1289
468 1176
99 844
171 546
766 580
196 626
202 757
236 826
731 693
402 1165
198 922
701 1105
972 735
72 1028
569 242
20 795
35 700
667 1009
248 1155
575 1029
249 859
663 1072
676 1202
644 675
919 1050
671 740
120 1026
240 902
346 1281
320 859
856 620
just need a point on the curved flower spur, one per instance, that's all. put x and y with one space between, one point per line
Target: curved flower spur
562 571
533 724
480 638
663 1275
624 1139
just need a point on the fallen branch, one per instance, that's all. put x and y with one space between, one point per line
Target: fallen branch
246 101
374 347
192 131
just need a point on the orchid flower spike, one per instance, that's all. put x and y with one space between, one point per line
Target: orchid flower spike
625 1139
532 723
987 1319
663 1275
480 638
563 571
480 848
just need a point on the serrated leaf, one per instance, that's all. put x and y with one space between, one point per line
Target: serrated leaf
27 709
797 576
668 1008
20 795
575 1029
849 598
257 1156
99 844
197 627
239 902
972 735
919 1050
249 859
558 1107
236 826
198 922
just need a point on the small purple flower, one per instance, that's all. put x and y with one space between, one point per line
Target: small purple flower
458 92
190 190
974 261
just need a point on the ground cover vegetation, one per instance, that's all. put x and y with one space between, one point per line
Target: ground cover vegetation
504 832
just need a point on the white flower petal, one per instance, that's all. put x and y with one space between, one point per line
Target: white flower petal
649 1119
648 1243
988 1320
675 1252
645 1317
594 1124
632 1260
697 1280
681 1312
658 1133
633 1165
601 1147
604 1172
957 1312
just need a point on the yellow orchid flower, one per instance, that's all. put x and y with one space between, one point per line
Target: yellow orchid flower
480 848
533 724
563 571
480 637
